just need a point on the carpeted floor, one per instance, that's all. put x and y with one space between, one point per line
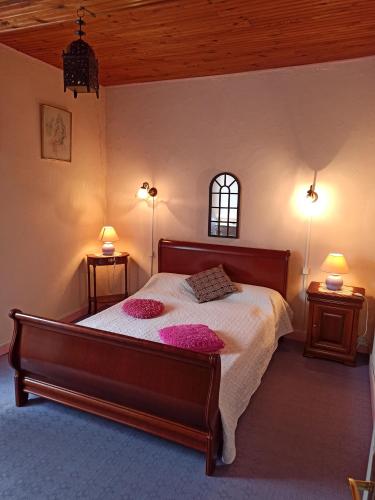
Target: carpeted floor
307 428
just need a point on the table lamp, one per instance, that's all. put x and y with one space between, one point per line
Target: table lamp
336 265
108 235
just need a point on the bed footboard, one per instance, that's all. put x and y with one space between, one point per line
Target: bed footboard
169 392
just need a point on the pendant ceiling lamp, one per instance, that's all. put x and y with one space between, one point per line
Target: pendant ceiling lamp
79 62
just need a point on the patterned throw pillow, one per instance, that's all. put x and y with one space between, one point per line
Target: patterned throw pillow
211 284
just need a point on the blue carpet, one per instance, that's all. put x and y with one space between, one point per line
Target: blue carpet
307 428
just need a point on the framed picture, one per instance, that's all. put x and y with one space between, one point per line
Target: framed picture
56 133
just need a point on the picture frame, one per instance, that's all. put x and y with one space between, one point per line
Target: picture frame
56 133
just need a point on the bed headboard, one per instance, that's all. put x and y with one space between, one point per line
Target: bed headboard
254 266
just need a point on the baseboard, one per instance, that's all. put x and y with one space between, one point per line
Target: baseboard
75 316
299 335
372 385
370 465
71 318
4 349
364 349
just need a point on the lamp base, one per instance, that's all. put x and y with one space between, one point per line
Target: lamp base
108 249
334 282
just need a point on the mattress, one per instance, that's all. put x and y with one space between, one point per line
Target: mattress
250 322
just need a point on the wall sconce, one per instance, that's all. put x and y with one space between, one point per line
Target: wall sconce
145 191
311 197
311 194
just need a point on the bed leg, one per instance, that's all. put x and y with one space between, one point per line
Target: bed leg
210 465
21 395
210 457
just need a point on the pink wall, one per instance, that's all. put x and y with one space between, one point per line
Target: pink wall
51 211
271 129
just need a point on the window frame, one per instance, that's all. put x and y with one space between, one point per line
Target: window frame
211 207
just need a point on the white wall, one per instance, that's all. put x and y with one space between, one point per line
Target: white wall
50 211
271 129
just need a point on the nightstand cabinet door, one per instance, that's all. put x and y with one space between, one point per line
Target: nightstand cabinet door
332 328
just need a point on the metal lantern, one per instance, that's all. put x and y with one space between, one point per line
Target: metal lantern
80 64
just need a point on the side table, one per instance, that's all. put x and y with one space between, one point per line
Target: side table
332 330
94 260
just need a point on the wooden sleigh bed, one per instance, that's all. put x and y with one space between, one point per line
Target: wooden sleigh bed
169 392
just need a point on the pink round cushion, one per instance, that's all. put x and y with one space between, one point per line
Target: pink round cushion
194 337
143 308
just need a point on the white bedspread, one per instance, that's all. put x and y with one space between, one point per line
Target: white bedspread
249 322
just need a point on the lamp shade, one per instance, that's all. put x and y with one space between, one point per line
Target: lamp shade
108 233
142 193
335 263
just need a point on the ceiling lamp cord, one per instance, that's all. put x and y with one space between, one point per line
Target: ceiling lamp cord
80 22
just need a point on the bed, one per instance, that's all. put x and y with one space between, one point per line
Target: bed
191 398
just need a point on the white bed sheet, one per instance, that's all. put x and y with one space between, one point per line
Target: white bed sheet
250 323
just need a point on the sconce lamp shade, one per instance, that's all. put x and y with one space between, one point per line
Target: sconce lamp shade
335 264
142 193
108 235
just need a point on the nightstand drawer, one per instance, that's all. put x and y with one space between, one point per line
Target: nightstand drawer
107 261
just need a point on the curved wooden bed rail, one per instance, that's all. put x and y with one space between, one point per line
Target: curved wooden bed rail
172 393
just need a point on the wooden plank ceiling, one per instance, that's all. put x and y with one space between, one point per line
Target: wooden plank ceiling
148 40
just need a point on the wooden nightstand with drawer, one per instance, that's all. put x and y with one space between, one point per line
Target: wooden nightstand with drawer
332 329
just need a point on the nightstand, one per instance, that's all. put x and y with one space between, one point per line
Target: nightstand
332 329
94 260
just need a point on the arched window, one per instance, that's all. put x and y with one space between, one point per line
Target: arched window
223 218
